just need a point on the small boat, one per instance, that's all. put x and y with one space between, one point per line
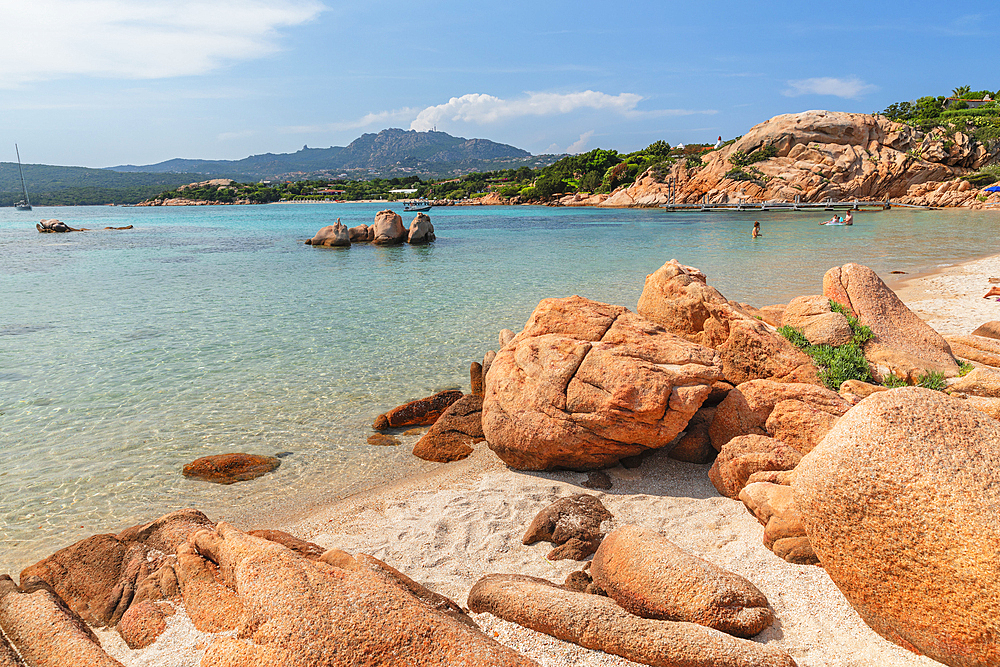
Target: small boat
415 206
25 203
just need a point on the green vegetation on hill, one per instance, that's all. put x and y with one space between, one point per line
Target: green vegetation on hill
952 113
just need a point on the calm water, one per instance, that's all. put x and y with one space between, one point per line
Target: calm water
125 354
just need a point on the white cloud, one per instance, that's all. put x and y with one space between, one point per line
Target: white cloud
848 88
147 39
580 144
482 109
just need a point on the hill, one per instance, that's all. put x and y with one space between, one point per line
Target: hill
59 186
390 153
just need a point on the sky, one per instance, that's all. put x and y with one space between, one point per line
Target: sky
99 83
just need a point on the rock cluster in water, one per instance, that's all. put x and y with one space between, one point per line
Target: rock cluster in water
387 229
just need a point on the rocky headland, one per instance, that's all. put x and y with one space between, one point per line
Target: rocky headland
754 508
814 156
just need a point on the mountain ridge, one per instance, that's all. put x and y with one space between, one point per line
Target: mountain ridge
390 152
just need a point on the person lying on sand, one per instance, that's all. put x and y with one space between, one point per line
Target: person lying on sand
994 291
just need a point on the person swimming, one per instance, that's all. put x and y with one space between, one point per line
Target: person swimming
833 221
849 219
756 229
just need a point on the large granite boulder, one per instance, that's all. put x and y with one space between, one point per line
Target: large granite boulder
900 503
745 455
978 349
595 622
650 576
331 236
388 228
902 343
586 384
695 446
99 576
813 316
677 297
305 613
421 230
747 408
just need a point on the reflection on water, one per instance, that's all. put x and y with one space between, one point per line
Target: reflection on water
124 355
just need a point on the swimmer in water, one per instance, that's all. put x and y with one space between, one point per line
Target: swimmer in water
756 229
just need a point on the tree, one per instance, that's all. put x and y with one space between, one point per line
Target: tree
659 148
961 90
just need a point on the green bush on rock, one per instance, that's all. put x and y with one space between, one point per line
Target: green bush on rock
838 363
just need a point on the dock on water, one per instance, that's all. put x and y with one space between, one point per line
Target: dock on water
828 205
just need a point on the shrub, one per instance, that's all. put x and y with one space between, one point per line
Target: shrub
738 175
893 381
964 368
932 380
837 364
693 162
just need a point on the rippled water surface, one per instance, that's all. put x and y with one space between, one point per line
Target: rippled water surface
203 330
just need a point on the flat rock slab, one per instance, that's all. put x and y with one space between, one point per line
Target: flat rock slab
231 468
421 412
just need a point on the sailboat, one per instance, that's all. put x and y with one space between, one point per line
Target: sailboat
25 203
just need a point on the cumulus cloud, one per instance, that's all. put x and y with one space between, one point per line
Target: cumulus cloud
481 109
580 144
49 39
847 88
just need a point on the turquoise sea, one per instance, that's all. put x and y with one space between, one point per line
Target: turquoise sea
203 330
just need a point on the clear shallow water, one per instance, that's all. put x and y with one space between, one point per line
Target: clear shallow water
125 354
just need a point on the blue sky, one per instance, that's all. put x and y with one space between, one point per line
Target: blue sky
105 82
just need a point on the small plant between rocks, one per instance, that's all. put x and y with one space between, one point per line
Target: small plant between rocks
964 368
837 363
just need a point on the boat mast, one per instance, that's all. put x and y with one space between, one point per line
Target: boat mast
23 188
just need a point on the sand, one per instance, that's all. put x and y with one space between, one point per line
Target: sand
448 528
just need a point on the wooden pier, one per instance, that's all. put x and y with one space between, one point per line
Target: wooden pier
828 205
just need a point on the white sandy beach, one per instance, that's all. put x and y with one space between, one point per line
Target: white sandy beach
448 528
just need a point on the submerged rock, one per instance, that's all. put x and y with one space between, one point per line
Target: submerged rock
231 468
421 412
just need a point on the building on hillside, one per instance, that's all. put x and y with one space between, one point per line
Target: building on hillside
972 104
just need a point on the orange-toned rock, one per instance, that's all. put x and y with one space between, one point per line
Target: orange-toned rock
388 228
980 382
421 412
331 236
902 343
421 230
142 624
678 298
302 613
361 234
586 384
231 468
573 523
784 531
302 547
813 316
595 622
746 408
754 351
799 424
212 606
648 575
900 504
454 433
8 657
745 455
44 633
988 330
696 446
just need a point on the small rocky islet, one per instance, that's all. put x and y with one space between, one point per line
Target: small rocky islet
892 491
